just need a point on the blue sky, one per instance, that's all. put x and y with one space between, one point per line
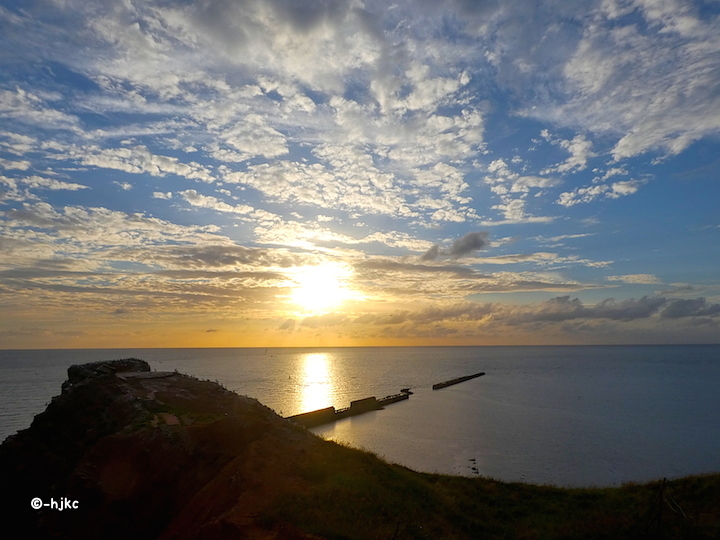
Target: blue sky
256 173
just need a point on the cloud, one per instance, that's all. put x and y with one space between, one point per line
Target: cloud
151 272
651 83
643 279
506 184
431 254
462 312
691 307
272 229
25 332
256 277
347 177
22 165
396 239
397 317
134 160
414 130
557 310
468 243
227 256
288 325
261 111
30 108
346 185
316 44
512 209
588 194
542 258
582 195
388 265
327 319
620 189
392 280
253 137
77 229
614 171
563 308
580 151
16 143
165 295
213 203
680 289
125 186
39 182
516 221
557 239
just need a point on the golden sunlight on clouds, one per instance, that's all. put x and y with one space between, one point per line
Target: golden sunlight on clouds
321 288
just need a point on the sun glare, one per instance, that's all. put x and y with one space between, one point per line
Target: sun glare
320 288
316 382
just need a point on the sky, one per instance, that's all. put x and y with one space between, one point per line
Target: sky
257 173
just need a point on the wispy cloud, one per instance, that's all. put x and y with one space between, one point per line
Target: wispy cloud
607 191
642 279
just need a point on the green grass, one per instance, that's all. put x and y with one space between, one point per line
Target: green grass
353 494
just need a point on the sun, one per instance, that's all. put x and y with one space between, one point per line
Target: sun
320 288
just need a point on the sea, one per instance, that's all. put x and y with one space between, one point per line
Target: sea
565 415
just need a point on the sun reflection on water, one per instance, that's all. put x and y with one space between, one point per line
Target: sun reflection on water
316 387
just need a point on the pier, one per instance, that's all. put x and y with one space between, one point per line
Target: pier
451 382
359 406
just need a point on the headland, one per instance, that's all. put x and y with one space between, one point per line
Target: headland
163 455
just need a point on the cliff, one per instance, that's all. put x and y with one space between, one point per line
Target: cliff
150 455
164 455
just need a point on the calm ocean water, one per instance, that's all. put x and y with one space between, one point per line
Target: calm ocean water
559 415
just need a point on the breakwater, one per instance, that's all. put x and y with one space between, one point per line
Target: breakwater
359 406
331 414
451 382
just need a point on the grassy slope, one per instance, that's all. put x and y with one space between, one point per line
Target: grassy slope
354 495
